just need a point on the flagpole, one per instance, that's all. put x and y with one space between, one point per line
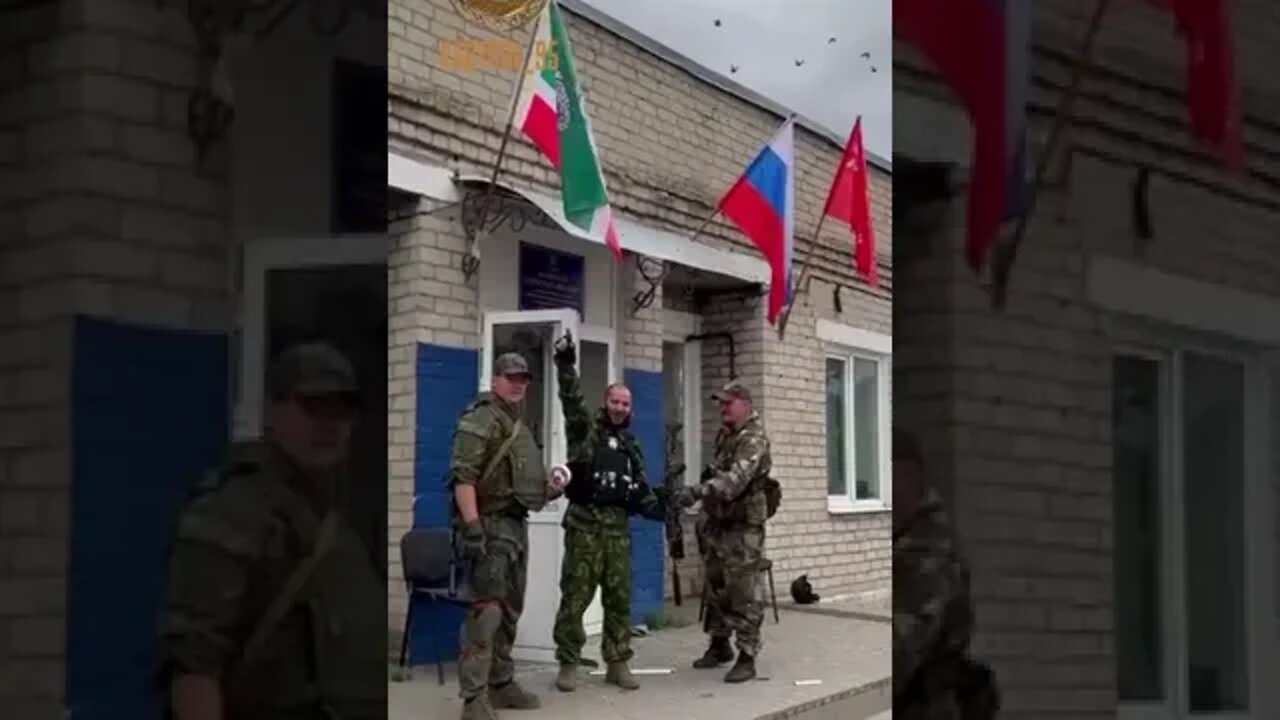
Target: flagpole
703 226
804 273
1006 255
472 259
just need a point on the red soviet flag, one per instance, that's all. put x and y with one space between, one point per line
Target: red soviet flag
849 201
1212 102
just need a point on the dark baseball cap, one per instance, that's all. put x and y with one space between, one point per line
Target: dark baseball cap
311 369
511 364
732 389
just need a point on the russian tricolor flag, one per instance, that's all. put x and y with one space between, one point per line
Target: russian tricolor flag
762 204
980 48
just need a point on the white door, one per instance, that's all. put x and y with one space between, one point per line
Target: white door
598 370
682 389
332 289
1190 502
532 334
271 266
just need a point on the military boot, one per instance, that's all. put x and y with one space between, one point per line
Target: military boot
743 670
511 695
567 680
716 655
479 708
619 674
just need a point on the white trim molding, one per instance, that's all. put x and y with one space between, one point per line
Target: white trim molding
855 338
849 343
678 325
1130 288
438 183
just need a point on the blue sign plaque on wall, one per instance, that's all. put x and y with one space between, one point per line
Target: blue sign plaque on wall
550 279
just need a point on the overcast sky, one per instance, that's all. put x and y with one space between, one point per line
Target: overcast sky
765 38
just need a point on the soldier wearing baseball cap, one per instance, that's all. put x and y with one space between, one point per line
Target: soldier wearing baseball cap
734 389
735 492
220 619
497 477
311 369
512 365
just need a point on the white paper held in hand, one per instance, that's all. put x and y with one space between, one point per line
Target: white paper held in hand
561 475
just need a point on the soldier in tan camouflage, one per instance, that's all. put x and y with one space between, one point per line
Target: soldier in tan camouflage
933 676
732 528
274 608
498 477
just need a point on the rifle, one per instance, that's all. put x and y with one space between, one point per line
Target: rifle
675 530
673 480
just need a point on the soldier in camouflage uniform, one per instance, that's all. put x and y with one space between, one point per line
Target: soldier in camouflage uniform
933 678
732 526
498 477
273 607
608 470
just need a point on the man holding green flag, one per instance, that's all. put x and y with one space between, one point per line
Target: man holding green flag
550 112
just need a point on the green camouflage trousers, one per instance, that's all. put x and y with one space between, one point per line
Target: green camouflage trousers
497 598
591 560
733 582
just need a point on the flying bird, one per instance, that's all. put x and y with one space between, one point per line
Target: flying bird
717 22
831 40
866 56
873 68
733 68
799 63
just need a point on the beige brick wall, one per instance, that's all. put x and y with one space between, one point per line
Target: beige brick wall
641 331
670 144
431 302
667 166
841 553
103 214
1015 407
34 419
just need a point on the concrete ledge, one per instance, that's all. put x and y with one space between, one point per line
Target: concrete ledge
864 701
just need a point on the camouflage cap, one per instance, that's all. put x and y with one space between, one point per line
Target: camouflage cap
310 368
511 364
732 389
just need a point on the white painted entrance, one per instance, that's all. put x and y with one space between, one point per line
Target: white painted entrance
532 334
682 389
267 263
332 289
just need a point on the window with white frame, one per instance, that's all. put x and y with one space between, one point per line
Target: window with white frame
856 382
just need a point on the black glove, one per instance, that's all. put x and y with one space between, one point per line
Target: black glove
471 542
565 351
688 495
707 473
664 497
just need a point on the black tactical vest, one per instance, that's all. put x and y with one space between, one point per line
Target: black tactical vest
611 483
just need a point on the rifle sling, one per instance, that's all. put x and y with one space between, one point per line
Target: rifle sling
292 589
502 451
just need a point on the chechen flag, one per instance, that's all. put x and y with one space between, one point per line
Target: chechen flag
550 112
850 202
762 204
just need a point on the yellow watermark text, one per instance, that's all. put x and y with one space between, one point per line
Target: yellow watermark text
471 54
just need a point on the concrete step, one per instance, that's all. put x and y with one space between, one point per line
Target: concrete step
868 702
